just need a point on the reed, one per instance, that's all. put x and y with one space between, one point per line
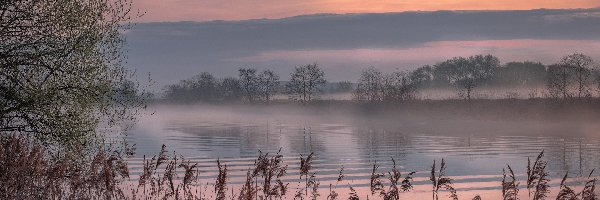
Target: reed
333 195
221 182
28 172
353 195
395 175
305 166
376 183
588 193
537 178
510 189
441 181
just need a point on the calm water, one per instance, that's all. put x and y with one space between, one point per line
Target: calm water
475 157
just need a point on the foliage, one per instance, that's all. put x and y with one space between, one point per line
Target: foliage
468 73
61 69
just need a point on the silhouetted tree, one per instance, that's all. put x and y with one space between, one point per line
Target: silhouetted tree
204 87
230 89
398 86
305 82
374 86
370 85
559 78
582 67
250 83
468 73
268 82
520 74
422 76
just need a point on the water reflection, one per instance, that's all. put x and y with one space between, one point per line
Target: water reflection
357 143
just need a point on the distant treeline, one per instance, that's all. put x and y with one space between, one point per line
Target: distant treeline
575 76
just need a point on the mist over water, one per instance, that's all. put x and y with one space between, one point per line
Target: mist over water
476 147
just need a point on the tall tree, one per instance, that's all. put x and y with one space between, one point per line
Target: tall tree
582 66
559 78
398 86
468 73
61 68
204 87
370 85
268 82
249 82
306 82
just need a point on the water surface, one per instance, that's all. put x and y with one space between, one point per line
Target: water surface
475 150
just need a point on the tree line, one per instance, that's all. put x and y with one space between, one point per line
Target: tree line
305 84
574 76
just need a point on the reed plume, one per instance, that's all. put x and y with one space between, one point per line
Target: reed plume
353 195
305 166
566 193
441 181
537 178
221 183
332 193
588 192
510 189
393 192
376 184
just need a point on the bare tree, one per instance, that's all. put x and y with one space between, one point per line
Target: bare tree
306 82
268 82
582 68
375 86
370 85
398 86
559 78
249 82
229 89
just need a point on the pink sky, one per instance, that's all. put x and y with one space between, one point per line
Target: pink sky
203 10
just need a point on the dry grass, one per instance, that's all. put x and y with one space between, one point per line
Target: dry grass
537 178
441 181
588 192
28 172
510 189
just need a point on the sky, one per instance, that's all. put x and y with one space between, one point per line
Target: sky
177 39
206 10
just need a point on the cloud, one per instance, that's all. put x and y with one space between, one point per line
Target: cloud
204 10
345 43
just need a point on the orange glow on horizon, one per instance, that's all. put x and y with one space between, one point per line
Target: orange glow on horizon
196 10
